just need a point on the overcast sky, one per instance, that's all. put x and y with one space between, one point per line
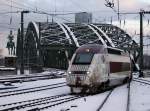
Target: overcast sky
100 12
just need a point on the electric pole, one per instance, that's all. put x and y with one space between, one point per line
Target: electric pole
141 43
22 41
142 12
118 10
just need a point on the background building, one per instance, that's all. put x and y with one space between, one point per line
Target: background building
83 17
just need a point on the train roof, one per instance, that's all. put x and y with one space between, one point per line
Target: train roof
93 48
96 48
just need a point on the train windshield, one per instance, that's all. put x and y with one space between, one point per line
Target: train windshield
83 58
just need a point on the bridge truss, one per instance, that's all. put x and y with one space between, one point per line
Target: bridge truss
52 44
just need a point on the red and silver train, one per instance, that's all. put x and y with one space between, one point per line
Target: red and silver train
95 66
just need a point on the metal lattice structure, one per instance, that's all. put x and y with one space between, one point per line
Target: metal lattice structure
51 44
119 37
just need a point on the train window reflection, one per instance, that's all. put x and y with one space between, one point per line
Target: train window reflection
83 58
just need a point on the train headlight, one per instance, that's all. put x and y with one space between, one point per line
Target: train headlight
88 72
69 72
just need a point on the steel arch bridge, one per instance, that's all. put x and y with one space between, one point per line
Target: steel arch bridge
52 44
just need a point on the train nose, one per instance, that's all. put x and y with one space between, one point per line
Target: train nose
78 81
77 78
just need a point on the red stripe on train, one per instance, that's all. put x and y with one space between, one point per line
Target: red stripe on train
119 67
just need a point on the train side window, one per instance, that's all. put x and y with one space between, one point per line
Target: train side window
113 51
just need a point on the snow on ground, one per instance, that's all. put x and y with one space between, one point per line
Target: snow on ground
51 71
89 103
39 83
35 95
140 95
118 98
31 84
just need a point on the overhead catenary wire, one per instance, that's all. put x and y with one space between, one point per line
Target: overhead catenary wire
68 12
28 6
20 4
2 23
10 22
39 10
45 13
51 14
78 5
7 27
8 5
8 12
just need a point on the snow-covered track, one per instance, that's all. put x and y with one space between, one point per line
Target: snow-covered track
128 98
30 77
114 97
30 90
104 101
141 81
34 103
56 102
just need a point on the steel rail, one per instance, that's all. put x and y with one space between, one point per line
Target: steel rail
4 92
128 98
141 81
35 90
30 103
26 78
58 102
104 101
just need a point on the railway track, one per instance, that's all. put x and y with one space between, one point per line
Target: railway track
104 101
30 90
109 94
128 98
24 78
31 77
40 103
142 81
55 103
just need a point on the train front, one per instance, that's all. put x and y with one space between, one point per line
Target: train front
83 70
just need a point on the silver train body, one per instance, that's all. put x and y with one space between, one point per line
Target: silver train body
94 66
